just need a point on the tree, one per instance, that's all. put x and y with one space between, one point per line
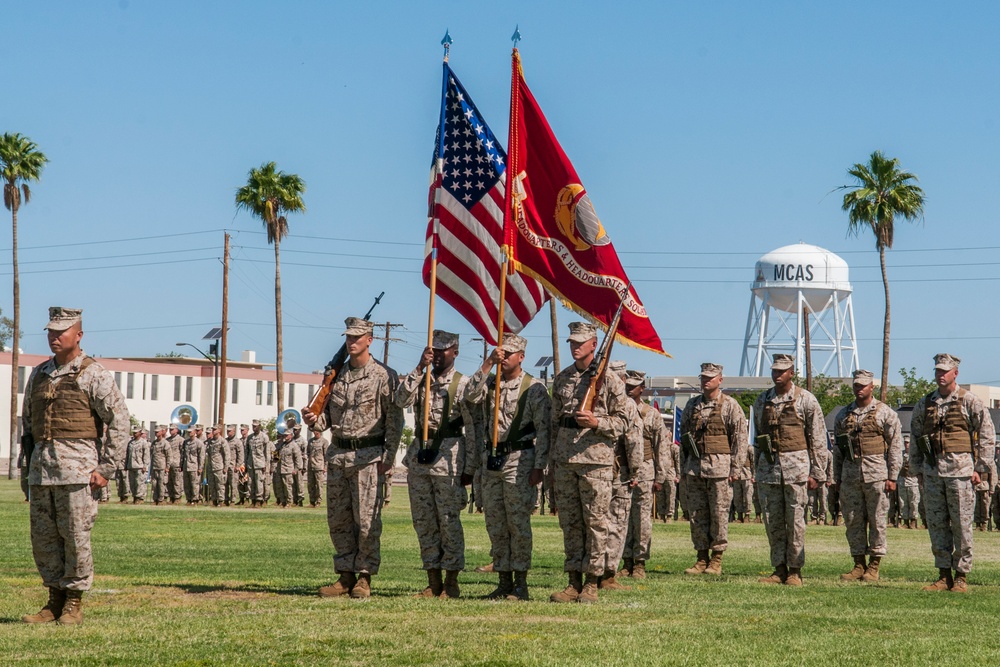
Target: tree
268 195
20 163
7 333
882 192
914 388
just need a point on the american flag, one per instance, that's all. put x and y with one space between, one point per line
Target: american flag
466 202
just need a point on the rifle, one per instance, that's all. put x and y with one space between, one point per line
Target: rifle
332 370
600 363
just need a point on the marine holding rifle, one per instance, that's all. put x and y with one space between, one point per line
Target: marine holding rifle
713 451
867 457
951 450
582 454
791 442
512 474
365 427
439 468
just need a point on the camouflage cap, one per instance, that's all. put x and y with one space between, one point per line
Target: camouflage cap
863 377
173 426
198 427
442 340
255 422
513 343
355 326
617 367
710 370
945 362
581 332
230 427
297 428
61 318
161 427
244 426
136 429
635 378
782 362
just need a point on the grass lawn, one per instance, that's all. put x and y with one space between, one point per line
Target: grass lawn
185 586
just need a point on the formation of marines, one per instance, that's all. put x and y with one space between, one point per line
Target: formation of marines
607 451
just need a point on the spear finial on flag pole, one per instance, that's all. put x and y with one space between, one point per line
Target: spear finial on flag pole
446 43
516 37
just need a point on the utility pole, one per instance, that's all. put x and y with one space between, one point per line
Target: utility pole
388 326
486 349
555 335
225 330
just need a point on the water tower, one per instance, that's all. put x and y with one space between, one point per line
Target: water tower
794 285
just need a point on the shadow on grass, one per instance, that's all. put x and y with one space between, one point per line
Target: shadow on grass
203 589
9 620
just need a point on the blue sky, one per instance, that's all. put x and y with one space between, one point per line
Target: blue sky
706 134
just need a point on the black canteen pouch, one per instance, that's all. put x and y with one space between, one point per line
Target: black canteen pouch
427 456
495 463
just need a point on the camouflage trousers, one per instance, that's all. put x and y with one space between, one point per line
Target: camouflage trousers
639 538
619 512
61 520
508 500
137 484
284 488
258 484
758 510
949 503
682 507
232 493
743 496
865 506
583 496
121 484
158 485
784 508
477 489
317 480
909 499
217 487
666 500
192 486
818 502
385 481
244 487
299 487
24 483
982 512
436 503
354 515
708 501
175 484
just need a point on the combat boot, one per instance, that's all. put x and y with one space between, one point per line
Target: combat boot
343 586
434 586
944 581
715 565
520 590
505 588
871 574
639 570
836 519
52 609
700 564
485 568
777 577
609 582
362 590
913 524
627 567
960 585
794 577
451 590
858 572
981 527
72 611
572 590
588 594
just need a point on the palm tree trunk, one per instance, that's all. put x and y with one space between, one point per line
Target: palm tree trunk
14 356
277 327
885 330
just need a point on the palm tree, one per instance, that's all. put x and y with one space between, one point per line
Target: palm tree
268 195
882 192
20 162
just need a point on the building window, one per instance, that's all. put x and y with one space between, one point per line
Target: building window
154 387
270 393
177 389
130 385
291 394
189 389
118 379
236 391
260 392
22 378
312 392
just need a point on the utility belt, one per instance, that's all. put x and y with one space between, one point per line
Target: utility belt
355 444
570 422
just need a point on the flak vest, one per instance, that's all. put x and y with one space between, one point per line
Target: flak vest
62 410
949 434
786 428
711 434
865 434
647 443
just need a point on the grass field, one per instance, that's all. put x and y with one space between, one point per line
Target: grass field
186 586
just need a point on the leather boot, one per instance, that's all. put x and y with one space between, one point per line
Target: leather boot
343 586
627 567
572 590
485 568
588 594
836 520
794 577
639 570
871 574
715 565
944 581
434 586
72 611
520 590
700 564
52 609
609 582
505 588
960 585
777 577
363 588
858 571
451 590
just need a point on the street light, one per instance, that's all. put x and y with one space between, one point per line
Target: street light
214 349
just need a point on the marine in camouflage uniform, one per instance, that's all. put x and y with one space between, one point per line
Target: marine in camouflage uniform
217 458
316 464
582 454
818 497
68 402
245 478
655 471
236 466
666 499
193 464
908 487
366 427
159 455
259 451
867 457
137 466
717 427
743 489
510 479
175 476
121 474
438 471
299 478
793 421
289 464
961 440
